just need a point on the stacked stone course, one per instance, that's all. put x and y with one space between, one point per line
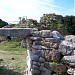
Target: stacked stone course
39 46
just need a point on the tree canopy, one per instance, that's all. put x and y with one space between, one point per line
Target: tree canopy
53 21
3 23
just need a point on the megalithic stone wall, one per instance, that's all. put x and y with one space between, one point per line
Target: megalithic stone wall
37 45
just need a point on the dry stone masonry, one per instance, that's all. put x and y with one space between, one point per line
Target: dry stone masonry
45 50
40 46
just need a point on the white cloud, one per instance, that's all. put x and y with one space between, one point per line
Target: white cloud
10 10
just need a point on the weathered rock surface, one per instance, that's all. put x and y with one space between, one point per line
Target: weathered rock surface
56 34
69 59
71 71
55 56
66 47
58 69
46 33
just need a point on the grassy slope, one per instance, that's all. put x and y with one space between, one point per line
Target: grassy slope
12 58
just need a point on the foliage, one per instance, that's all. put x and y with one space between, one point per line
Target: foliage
3 23
52 21
69 24
55 22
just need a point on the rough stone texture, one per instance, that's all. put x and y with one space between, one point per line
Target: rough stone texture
46 33
58 68
54 40
71 71
45 71
37 47
35 72
56 34
70 38
66 48
55 56
69 59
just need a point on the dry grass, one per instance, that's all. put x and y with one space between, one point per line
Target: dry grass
12 58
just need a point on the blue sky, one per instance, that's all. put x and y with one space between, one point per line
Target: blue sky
10 10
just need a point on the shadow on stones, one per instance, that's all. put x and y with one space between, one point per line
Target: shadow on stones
5 71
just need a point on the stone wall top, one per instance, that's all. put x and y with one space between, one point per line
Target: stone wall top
16 32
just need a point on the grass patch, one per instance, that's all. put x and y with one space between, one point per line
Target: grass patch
14 58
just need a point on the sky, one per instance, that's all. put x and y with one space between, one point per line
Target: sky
11 10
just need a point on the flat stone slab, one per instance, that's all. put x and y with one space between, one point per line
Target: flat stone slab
16 32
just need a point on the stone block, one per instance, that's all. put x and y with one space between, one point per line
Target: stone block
55 56
36 63
35 67
56 34
69 59
71 71
35 38
45 71
16 32
40 53
66 48
53 40
35 72
37 43
70 38
36 34
46 33
47 65
41 60
37 47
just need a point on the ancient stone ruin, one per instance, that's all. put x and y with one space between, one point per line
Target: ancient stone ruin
46 50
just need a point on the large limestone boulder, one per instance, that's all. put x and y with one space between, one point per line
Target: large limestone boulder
56 34
69 59
66 47
70 38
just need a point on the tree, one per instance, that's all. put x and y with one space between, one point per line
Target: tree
69 24
3 23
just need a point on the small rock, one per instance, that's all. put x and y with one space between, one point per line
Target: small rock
41 60
13 58
35 72
47 65
35 67
58 68
36 63
71 71
1 60
45 71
